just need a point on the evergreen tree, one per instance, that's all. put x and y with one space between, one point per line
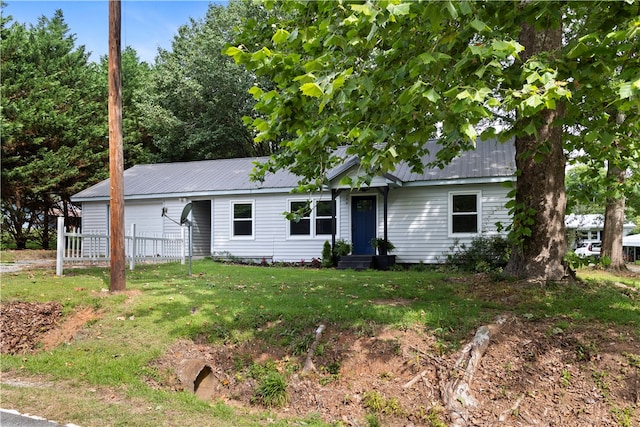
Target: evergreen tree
53 136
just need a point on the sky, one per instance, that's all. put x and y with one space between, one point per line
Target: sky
146 24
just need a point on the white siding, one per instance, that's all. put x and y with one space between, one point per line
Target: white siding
271 238
418 220
343 203
146 215
171 220
94 217
95 221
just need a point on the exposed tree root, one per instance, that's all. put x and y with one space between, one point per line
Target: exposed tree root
308 363
457 395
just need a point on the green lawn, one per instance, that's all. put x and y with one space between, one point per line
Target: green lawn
232 304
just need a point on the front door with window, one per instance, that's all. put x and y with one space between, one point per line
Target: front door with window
363 224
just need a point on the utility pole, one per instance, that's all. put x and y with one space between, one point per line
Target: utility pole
116 156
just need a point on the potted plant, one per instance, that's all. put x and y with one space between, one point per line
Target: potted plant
383 247
341 248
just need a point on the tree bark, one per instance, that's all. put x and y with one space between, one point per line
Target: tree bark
540 190
614 220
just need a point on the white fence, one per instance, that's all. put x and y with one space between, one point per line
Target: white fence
93 247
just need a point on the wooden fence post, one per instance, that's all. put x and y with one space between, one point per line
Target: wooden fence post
60 246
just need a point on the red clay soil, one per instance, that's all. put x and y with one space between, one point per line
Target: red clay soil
530 375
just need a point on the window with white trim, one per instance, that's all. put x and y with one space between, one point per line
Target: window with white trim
311 218
324 219
301 224
242 219
464 213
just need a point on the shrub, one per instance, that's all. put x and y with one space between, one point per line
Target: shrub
327 256
576 261
483 255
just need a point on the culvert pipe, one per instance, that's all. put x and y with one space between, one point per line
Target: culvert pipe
196 375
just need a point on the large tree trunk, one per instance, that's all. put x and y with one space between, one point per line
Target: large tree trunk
16 218
614 220
540 192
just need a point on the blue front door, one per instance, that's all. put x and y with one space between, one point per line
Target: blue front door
363 224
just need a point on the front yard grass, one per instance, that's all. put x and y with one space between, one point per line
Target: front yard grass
108 363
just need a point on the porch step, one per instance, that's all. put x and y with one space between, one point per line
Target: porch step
355 262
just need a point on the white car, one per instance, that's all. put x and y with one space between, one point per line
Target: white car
589 248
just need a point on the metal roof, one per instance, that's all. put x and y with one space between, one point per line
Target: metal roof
632 240
590 221
490 159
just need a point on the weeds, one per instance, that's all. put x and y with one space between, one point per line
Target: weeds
632 359
372 420
600 379
432 417
623 416
585 351
565 378
272 390
378 404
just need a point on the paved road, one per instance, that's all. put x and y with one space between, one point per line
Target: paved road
10 418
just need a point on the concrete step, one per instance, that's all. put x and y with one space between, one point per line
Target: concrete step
355 262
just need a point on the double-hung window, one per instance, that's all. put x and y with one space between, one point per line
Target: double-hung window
464 213
324 220
311 218
301 224
242 219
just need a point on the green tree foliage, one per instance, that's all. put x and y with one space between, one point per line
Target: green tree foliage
137 139
586 191
585 194
197 96
604 63
384 77
53 143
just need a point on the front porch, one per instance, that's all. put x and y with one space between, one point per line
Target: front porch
364 230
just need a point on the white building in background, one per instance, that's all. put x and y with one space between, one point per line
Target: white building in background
588 227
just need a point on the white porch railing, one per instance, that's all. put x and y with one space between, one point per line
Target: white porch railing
93 247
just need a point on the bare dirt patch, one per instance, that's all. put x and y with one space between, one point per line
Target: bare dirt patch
528 376
68 329
31 327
